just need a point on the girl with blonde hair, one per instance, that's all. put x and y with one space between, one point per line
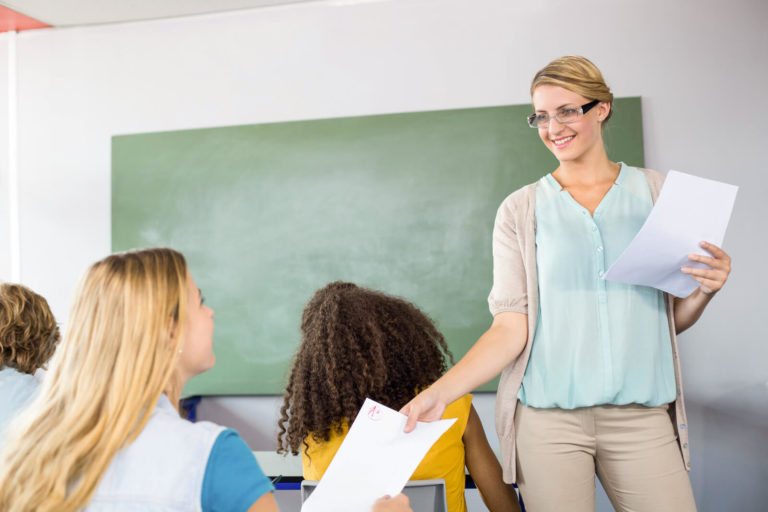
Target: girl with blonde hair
590 371
104 432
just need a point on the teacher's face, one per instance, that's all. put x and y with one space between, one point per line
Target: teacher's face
575 140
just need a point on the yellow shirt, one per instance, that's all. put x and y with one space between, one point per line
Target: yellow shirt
444 460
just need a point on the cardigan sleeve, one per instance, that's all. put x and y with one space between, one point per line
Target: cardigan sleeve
509 292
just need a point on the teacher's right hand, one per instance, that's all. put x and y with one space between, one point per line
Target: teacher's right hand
426 406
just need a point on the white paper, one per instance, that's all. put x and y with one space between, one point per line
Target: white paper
375 458
688 210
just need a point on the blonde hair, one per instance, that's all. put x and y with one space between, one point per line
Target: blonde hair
28 330
118 355
576 74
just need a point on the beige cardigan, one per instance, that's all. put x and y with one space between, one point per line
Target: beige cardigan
515 287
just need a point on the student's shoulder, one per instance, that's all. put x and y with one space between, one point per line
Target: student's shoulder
233 479
167 424
228 441
9 377
461 404
17 387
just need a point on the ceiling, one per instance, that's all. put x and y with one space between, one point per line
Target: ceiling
64 13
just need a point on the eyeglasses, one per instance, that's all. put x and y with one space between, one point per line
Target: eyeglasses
563 116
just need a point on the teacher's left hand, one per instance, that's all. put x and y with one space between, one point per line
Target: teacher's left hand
713 278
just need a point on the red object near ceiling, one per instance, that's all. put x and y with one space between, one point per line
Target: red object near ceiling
12 20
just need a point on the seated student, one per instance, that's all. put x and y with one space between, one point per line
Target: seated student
358 343
28 338
104 432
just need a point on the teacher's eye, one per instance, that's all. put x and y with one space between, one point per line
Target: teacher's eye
567 114
538 120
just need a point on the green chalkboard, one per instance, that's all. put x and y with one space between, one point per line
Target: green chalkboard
268 213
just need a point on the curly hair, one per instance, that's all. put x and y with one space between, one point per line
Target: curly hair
28 330
356 343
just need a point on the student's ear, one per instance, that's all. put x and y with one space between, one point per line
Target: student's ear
172 326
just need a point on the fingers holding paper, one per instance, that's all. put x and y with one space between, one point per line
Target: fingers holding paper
426 406
397 504
711 279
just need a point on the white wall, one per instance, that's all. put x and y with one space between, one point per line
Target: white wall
730 469
5 193
699 66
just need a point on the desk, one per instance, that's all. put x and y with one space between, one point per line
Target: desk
288 468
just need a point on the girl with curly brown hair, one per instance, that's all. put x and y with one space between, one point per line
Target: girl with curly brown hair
359 343
28 338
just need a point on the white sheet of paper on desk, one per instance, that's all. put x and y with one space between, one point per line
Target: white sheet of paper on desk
688 210
375 458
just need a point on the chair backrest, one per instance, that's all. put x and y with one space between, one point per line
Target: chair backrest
424 495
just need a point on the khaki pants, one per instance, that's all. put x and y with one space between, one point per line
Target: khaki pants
632 448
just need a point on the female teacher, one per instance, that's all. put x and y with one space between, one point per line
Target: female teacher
591 378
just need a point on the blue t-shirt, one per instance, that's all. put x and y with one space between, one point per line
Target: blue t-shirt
233 480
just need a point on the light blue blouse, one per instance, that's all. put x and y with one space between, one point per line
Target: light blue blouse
16 391
596 341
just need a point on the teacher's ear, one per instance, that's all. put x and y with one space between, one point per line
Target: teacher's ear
604 111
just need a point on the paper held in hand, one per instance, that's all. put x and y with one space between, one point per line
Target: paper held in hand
688 210
376 458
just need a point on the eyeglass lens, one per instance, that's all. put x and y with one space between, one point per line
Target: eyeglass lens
564 115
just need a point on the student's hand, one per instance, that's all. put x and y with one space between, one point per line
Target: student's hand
426 406
397 504
714 278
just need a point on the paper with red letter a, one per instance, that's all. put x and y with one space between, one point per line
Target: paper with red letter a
376 458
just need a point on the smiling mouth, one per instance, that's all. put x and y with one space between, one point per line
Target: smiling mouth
562 141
